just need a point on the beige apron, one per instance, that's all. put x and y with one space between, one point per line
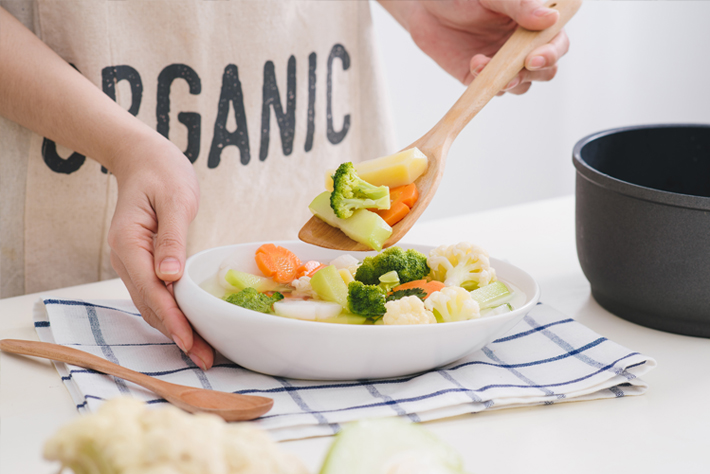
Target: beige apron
263 96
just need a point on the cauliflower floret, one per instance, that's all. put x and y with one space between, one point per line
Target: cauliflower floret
124 437
407 310
302 288
452 303
463 264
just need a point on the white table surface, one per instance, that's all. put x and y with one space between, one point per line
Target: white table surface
665 430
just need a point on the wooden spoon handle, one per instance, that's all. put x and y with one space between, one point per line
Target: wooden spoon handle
79 358
502 68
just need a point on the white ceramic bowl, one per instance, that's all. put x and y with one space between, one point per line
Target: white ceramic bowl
324 351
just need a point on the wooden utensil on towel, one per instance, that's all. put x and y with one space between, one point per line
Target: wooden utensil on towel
230 406
502 68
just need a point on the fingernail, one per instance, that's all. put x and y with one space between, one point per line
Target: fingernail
543 11
198 362
169 266
178 342
536 63
478 70
512 84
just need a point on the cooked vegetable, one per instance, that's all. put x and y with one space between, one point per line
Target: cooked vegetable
389 280
249 298
302 288
428 287
407 310
346 275
363 226
124 436
329 286
347 291
277 262
345 261
394 170
389 446
492 295
463 264
366 300
307 309
347 318
309 268
399 294
402 198
452 303
240 280
351 193
410 265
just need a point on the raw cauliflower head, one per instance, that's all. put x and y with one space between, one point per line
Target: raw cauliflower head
124 437
452 303
463 264
407 310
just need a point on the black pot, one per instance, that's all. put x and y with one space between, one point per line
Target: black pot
643 224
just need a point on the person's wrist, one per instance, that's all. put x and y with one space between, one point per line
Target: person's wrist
136 151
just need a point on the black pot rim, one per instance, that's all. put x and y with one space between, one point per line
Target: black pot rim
634 190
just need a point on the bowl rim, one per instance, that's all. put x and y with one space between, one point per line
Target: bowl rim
644 193
531 300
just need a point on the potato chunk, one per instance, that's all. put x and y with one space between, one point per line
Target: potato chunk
394 170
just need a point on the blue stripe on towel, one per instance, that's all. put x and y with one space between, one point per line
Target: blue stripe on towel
106 349
397 409
532 331
304 406
568 347
84 303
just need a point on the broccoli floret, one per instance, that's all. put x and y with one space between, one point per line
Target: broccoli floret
399 294
249 298
351 193
410 265
366 300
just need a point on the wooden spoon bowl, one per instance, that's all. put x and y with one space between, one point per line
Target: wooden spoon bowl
230 406
435 144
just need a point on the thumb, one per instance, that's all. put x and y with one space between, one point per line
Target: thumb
169 250
530 14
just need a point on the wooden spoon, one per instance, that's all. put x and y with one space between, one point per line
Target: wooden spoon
230 406
502 68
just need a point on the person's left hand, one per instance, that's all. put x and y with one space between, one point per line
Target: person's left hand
462 36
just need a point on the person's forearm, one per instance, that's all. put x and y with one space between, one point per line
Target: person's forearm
42 92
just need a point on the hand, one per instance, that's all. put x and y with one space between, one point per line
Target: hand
462 36
158 197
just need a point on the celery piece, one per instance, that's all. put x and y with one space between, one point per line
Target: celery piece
243 280
504 308
389 280
363 226
493 294
329 285
344 319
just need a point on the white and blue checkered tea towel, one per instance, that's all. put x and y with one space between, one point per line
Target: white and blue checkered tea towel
547 358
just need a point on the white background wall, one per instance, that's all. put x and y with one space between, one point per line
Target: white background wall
630 62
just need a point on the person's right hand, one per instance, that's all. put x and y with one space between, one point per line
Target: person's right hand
158 193
158 197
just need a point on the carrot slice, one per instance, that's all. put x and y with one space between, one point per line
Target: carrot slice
407 194
402 198
428 286
277 262
309 268
394 214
